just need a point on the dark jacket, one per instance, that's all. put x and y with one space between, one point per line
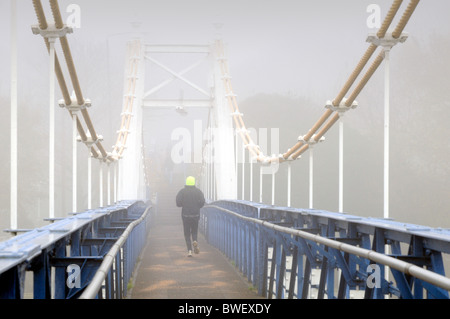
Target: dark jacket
190 199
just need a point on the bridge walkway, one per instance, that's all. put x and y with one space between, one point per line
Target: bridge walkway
165 271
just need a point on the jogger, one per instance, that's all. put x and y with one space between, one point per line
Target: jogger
190 199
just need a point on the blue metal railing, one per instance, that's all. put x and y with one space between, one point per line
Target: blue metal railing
300 253
66 256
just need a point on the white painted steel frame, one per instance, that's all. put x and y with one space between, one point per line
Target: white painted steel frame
14 149
51 155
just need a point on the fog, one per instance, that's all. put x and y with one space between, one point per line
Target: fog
286 58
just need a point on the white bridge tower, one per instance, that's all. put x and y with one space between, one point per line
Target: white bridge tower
218 176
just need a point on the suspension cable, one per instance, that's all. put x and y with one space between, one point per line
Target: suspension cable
302 145
43 25
73 73
59 75
389 18
405 18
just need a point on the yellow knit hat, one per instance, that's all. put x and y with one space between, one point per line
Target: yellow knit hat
190 181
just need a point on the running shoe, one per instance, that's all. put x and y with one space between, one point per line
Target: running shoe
196 249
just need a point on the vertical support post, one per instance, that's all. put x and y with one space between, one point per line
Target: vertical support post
13 194
294 273
74 109
213 180
101 183
387 50
208 173
60 291
243 171
386 132
236 156
109 183
210 192
116 165
341 164
51 179
74 162
41 277
300 269
311 177
260 183
89 189
251 178
211 169
208 180
289 185
387 42
209 165
273 188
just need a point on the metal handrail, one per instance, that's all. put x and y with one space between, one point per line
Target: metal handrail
94 287
405 267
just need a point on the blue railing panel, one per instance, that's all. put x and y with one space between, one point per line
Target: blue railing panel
263 243
75 247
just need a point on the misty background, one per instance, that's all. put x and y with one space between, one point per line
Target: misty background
286 59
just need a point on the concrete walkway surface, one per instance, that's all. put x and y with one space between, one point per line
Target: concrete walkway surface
165 271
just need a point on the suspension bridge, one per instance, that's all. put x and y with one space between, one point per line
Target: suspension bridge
132 246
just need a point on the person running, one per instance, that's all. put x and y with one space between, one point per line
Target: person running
190 199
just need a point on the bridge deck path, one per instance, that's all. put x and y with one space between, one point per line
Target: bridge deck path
165 271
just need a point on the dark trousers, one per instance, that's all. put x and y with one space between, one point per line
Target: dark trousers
190 226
